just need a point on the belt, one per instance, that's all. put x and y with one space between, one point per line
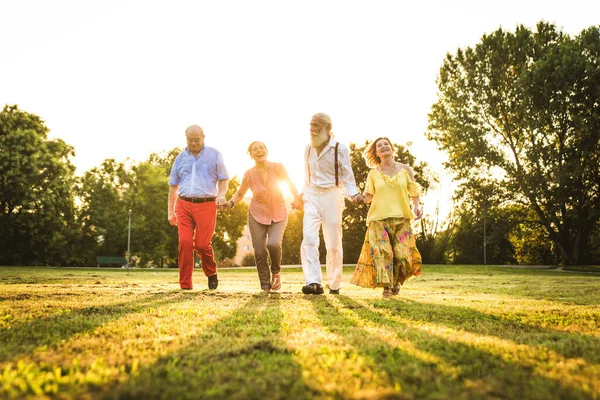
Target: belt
197 199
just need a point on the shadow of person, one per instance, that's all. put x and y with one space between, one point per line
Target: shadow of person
24 338
518 327
240 356
455 368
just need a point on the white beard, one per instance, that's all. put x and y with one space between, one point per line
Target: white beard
318 140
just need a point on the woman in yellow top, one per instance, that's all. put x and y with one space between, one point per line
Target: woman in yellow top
389 255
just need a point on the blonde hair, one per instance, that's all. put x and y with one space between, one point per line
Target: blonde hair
256 141
370 153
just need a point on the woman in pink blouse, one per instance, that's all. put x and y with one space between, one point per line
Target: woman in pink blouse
267 215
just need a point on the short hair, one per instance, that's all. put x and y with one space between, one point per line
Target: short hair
191 127
325 118
256 141
370 153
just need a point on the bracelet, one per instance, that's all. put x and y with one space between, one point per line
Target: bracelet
232 204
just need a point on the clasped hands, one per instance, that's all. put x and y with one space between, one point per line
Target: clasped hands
222 204
298 203
358 199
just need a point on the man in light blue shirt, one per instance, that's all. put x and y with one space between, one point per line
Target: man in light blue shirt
198 185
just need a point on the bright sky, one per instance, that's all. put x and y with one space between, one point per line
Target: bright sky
123 79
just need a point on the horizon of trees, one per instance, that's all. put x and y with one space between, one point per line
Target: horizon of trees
518 115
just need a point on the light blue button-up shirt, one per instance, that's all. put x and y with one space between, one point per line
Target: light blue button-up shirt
198 176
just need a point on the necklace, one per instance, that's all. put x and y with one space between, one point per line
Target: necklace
387 170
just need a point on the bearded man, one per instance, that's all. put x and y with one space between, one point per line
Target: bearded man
328 178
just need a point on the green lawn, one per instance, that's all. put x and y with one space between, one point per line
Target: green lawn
457 332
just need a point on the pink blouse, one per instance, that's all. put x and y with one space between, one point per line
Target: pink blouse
267 204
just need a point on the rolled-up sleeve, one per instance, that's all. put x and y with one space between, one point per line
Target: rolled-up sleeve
221 169
346 171
174 178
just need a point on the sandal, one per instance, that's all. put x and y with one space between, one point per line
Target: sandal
387 294
276 282
266 288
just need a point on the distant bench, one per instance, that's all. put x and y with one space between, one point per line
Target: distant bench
111 261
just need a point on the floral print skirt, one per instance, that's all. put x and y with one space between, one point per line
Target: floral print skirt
389 255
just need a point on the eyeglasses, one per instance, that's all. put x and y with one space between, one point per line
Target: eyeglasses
194 140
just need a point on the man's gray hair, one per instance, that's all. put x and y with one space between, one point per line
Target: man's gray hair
325 118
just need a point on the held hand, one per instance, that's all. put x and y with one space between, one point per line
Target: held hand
220 201
418 211
226 206
298 203
358 199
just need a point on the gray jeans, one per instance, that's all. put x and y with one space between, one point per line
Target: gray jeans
266 240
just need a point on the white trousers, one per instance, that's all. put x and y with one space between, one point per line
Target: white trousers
322 208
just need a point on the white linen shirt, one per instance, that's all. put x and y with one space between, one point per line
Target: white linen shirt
319 171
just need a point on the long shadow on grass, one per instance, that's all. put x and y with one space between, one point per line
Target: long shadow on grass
239 357
419 378
24 338
479 373
520 328
555 286
555 291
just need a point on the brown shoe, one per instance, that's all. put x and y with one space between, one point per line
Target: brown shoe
387 294
276 282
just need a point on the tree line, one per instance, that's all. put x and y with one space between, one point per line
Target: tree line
518 115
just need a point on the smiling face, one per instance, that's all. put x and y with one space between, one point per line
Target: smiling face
319 131
383 148
258 151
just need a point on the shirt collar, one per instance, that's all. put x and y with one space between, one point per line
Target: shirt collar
331 143
199 153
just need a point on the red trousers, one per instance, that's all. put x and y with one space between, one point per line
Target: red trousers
196 226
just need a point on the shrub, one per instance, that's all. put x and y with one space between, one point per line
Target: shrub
248 260
227 263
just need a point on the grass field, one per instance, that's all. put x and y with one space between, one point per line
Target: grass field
457 332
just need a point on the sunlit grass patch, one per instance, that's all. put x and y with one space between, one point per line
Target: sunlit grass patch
456 332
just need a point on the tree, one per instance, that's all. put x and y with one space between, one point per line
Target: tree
521 111
483 203
292 239
531 242
105 208
153 238
434 237
37 215
230 225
